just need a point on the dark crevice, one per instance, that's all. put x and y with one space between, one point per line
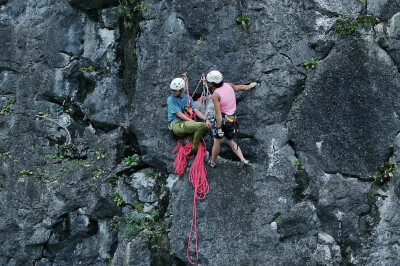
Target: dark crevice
127 54
103 126
62 229
86 87
3 2
301 178
293 145
300 87
93 227
128 144
302 182
52 99
271 71
76 113
287 56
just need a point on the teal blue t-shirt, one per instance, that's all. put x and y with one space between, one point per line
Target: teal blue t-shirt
177 104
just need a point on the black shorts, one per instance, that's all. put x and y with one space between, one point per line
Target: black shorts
228 132
227 127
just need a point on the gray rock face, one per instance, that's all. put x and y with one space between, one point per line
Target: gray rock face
340 110
385 9
77 71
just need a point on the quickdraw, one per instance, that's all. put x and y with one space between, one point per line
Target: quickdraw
339 216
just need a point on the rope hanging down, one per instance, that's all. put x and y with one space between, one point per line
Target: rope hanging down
182 153
198 178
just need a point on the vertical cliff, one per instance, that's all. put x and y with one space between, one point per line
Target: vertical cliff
86 159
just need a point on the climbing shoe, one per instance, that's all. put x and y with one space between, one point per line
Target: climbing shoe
209 163
247 162
207 157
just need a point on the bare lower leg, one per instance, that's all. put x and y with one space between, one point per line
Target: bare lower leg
236 149
215 150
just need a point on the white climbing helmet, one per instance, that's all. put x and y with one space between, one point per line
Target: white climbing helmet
215 76
177 84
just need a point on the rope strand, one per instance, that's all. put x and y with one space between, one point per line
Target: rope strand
198 178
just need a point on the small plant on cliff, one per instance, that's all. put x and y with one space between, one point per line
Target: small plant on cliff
44 113
243 20
200 40
118 199
132 160
25 173
309 64
127 9
90 69
367 22
346 26
96 174
5 110
6 155
11 100
385 172
132 224
100 155
299 165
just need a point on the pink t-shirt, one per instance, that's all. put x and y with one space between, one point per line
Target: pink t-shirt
228 99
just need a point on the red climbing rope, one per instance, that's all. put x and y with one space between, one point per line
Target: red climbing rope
181 153
198 178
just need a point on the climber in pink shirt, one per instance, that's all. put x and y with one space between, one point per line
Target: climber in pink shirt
224 100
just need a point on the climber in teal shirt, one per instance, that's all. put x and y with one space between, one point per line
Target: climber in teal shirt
179 123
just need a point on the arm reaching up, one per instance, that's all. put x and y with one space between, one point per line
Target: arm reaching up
243 87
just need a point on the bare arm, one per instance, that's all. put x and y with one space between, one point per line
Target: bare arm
199 114
183 117
217 107
243 87
202 117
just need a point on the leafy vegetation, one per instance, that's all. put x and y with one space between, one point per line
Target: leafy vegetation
5 155
25 173
90 69
347 26
299 165
96 174
100 155
44 113
243 20
128 9
132 160
11 101
200 40
309 64
118 199
385 172
5 110
58 173
367 22
134 223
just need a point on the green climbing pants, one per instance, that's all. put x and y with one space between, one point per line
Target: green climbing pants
193 130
